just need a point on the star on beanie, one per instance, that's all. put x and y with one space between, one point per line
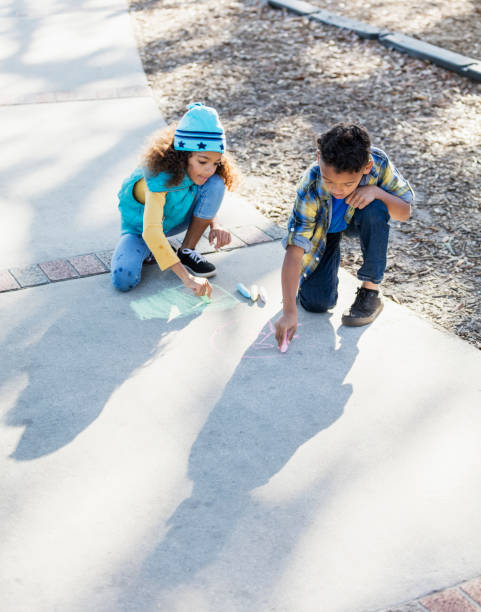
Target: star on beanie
200 129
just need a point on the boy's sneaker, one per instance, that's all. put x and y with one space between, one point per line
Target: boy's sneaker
196 263
364 310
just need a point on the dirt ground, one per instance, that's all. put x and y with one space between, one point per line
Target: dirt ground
451 24
277 80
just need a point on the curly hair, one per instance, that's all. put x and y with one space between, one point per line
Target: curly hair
345 147
160 156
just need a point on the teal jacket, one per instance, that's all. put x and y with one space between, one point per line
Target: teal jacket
178 201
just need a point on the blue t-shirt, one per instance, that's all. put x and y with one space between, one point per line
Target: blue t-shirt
339 208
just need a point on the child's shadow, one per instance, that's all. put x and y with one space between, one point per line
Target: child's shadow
271 406
74 356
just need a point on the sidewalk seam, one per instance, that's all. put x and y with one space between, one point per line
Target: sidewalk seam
469 598
60 97
458 588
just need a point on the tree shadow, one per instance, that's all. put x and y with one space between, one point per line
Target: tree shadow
78 185
272 405
77 196
445 33
102 62
271 94
277 96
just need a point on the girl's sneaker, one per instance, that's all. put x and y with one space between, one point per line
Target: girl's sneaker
196 263
149 260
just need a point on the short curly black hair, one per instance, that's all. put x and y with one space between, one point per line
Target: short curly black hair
345 147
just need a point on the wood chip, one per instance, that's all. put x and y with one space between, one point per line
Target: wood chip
278 80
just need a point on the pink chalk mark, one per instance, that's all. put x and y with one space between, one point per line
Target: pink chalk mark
285 344
261 344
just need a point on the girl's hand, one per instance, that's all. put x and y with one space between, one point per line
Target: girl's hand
200 286
287 323
362 196
221 237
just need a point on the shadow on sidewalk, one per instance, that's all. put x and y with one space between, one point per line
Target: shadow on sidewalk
271 406
70 359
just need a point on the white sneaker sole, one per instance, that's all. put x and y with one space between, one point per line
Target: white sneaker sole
360 321
201 274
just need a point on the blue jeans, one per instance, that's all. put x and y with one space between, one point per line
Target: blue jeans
318 292
131 250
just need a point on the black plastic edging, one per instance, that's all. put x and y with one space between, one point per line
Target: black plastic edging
461 64
473 71
422 50
364 30
296 6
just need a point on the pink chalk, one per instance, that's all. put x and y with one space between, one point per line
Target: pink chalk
284 344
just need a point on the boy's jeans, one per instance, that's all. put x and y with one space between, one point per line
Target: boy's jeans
318 292
131 250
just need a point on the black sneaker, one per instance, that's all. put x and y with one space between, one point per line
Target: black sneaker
149 260
364 310
196 263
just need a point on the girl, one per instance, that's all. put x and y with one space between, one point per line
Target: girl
180 186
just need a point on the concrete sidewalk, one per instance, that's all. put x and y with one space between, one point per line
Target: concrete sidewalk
158 452
75 110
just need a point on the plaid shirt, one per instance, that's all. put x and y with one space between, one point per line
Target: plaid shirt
311 216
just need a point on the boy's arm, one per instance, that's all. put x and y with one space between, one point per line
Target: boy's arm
391 188
291 269
300 229
398 209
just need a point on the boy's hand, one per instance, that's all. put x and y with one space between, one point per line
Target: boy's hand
220 236
362 196
287 323
200 286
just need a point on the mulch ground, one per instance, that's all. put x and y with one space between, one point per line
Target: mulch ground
278 79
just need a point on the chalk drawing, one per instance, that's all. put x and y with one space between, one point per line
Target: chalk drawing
178 302
264 346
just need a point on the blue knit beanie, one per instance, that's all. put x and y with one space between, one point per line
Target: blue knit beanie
200 129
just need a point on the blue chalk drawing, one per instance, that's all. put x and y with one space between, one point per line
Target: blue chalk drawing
178 302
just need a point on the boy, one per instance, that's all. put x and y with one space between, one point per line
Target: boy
352 184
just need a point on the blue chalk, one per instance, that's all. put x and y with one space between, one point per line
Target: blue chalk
242 289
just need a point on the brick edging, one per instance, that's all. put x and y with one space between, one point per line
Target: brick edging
464 597
98 262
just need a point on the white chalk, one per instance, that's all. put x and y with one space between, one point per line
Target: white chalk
242 289
263 295
254 292
285 344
